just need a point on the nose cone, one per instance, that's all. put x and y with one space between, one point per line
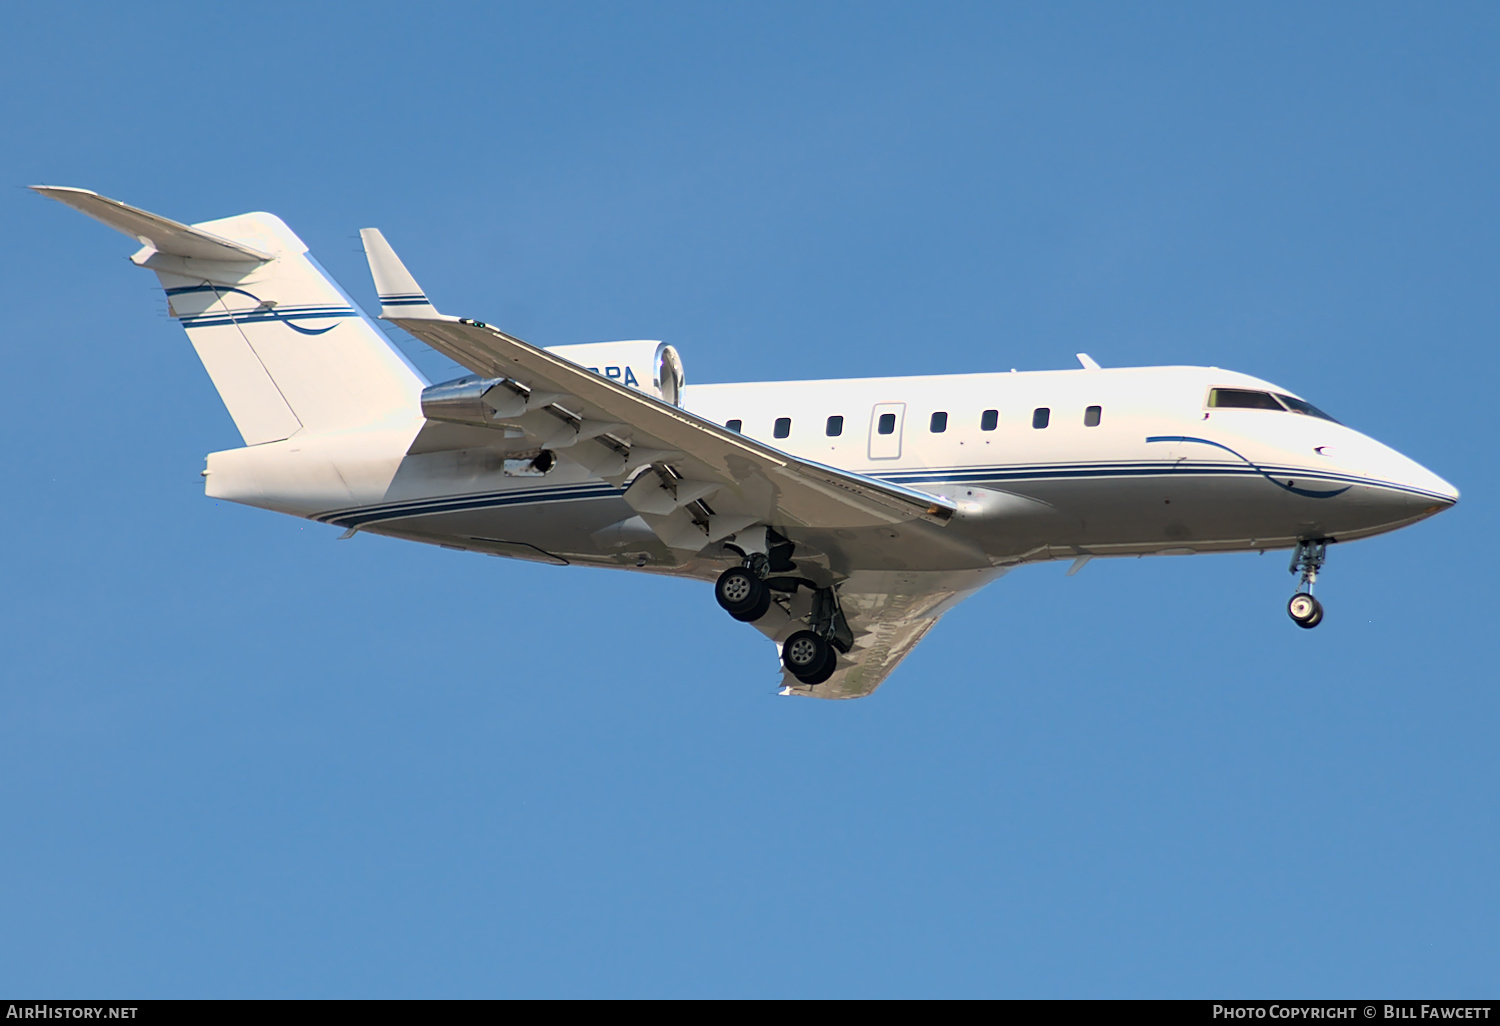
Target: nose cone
1407 472
1444 491
1405 490
1353 453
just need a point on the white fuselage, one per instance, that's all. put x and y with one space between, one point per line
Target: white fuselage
1154 470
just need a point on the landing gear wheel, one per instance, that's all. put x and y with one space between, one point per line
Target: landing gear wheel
826 672
808 657
1307 560
1305 610
758 610
743 595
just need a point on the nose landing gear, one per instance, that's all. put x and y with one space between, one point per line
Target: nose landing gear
1307 559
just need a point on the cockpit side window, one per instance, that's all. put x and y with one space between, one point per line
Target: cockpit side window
1299 406
1242 399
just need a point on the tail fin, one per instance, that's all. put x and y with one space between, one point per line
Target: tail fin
286 348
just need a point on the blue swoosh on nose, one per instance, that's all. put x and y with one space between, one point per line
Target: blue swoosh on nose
1308 492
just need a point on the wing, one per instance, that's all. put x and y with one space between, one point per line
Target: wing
696 484
888 613
692 481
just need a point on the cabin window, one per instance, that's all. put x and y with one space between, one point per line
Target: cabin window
735 425
887 425
1092 416
835 426
1299 406
783 427
1241 399
939 423
988 420
1040 416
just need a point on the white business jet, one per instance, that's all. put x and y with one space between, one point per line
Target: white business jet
840 518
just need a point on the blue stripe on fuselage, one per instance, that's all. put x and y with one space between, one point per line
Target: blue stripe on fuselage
435 505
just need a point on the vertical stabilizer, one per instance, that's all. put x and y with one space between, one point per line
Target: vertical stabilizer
287 350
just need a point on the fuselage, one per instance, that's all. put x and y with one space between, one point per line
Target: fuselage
1043 465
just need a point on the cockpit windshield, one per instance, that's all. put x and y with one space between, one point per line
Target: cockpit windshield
1300 406
1249 399
1242 399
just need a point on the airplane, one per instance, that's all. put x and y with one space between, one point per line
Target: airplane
841 518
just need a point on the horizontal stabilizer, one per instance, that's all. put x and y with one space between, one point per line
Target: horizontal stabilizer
400 295
149 229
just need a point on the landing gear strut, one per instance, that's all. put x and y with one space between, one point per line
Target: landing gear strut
812 655
1307 559
744 591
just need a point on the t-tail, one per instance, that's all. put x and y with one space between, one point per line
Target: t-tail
287 349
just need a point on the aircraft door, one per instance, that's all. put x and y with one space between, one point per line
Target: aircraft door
886 422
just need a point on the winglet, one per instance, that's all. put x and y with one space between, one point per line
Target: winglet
168 237
400 295
1087 361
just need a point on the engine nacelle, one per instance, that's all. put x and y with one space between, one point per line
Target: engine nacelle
471 400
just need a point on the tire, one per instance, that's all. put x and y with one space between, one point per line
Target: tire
805 655
1305 611
740 592
758 610
827 671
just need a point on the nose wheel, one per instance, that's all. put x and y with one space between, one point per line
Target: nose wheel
1307 560
1305 610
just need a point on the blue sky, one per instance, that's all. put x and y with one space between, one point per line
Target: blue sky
238 759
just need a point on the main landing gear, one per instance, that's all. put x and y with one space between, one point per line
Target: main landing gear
745 590
812 655
745 593
1307 558
809 657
